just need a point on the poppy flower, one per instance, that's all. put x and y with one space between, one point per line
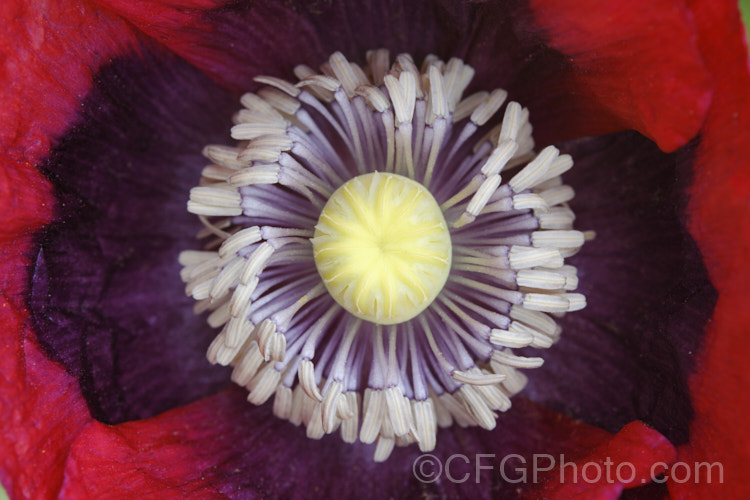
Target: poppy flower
106 108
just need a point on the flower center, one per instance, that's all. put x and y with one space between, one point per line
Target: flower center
377 244
382 247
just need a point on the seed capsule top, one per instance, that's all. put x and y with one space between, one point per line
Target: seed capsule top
382 247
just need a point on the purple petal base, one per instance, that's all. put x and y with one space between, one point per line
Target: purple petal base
106 295
628 355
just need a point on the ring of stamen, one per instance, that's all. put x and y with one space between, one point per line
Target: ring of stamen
267 283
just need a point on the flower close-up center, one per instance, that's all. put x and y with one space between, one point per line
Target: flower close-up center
401 249
382 247
368 263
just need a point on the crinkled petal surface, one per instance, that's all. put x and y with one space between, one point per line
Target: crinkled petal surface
635 63
720 222
49 58
47 67
633 457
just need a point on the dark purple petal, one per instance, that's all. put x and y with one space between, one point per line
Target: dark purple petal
106 295
628 355
273 37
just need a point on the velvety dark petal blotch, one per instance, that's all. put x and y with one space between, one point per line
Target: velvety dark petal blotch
106 296
629 354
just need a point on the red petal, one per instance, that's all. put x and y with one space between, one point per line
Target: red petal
634 65
633 457
720 222
160 19
50 52
47 410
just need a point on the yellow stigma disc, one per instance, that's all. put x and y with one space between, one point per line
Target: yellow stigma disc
382 247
